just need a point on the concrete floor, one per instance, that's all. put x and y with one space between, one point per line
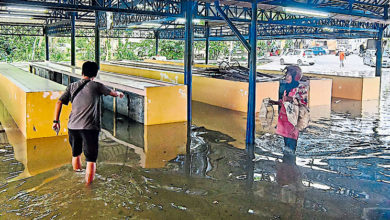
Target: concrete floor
329 64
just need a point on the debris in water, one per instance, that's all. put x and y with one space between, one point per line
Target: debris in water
178 206
215 202
250 211
234 72
241 177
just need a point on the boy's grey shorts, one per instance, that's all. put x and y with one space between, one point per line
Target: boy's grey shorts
86 141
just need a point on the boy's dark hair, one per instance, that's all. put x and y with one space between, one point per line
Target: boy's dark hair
90 69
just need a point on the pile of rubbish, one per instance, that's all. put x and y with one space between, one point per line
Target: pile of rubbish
235 72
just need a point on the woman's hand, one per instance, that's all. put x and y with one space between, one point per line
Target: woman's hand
286 98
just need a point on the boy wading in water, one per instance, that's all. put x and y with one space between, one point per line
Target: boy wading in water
84 119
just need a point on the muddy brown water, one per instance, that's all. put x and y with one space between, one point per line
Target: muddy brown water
341 169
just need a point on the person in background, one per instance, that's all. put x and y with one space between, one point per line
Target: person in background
342 58
84 119
292 91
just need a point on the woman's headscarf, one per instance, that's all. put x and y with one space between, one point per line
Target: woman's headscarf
296 74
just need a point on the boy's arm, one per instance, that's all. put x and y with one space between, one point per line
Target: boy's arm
57 113
116 94
106 91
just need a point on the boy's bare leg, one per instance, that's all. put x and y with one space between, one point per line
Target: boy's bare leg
76 163
90 172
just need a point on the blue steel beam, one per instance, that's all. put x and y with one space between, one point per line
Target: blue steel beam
157 39
277 31
243 14
59 28
122 20
322 36
148 7
215 34
250 125
73 39
232 26
379 52
188 53
207 43
97 40
327 23
21 29
178 34
47 49
369 9
209 11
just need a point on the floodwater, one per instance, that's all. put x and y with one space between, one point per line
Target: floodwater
341 169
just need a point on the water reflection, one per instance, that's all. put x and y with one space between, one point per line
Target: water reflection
154 144
37 155
355 108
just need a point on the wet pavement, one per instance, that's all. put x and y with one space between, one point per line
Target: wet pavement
329 65
341 169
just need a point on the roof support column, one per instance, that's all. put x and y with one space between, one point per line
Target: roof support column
207 42
249 53
47 48
250 125
188 53
97 39
73 39
379 52
156 35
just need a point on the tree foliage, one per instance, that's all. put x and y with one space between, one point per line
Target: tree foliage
218 48
26 48
21 48
172 49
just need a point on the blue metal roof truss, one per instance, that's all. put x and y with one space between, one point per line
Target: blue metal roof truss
275 24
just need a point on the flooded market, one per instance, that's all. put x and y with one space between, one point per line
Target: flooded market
341 169
194 109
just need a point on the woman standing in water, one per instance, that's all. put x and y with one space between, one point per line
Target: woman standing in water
292 91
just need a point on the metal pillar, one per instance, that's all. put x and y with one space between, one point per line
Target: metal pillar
97 39
232 26
189 40
249 53
250 126
207 42
47 47
188 50
73 40
379 52
157 38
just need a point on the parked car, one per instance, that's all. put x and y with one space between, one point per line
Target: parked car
369 58
299 57
347 53
318 50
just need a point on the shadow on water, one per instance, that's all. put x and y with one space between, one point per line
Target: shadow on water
341 169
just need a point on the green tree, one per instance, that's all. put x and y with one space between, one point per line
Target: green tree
21 48
60 49
199 47
126 50
172 49
85 48
289 44
218 48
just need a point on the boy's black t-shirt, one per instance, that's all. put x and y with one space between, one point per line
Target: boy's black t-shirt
85 112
